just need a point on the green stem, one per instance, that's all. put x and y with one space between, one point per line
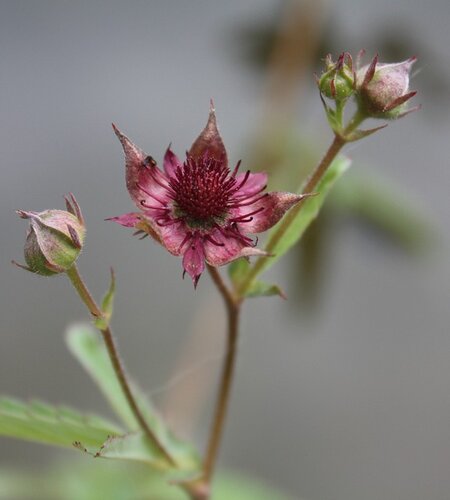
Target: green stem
338 142
86 297
226 379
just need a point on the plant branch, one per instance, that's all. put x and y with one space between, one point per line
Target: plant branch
226 379
335 147
86 297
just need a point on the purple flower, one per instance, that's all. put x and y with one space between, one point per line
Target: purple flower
199 209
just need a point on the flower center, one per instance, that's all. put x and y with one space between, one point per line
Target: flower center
203 189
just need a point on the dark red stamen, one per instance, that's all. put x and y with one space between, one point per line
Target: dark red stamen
247 195
232 231
244 217
185 240
145 205
236 168
244 180
202 190
213 241
249 201
166 221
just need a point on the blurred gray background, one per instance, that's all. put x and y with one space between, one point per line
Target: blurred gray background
353 404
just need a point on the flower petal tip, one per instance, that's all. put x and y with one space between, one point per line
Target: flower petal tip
194 260
126 220
171 162
132 152
118 133
22 266
209 143
23 214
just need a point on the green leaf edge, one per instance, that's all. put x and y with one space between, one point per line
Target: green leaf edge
61 426
85 344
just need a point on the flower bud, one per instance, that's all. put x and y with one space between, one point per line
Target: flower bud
54 239
337 82
383 89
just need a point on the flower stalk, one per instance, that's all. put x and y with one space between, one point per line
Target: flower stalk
86 297
233 306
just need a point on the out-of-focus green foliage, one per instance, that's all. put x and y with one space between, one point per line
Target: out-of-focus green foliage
85 344
254 42
371 199
37 421
120 481
296 225
309 211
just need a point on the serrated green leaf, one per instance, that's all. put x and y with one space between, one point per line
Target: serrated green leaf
38 421
299 223
86 346
107 305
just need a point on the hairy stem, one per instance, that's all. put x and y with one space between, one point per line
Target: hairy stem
86 297
226 379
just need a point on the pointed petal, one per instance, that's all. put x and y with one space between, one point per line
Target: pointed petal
74 237
400 100
174 237
273 207
22 266
370 71
141 172
127 220
194 260
171 162
253 185
73 207
348 60
134 161
140 223
229 249
209 142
